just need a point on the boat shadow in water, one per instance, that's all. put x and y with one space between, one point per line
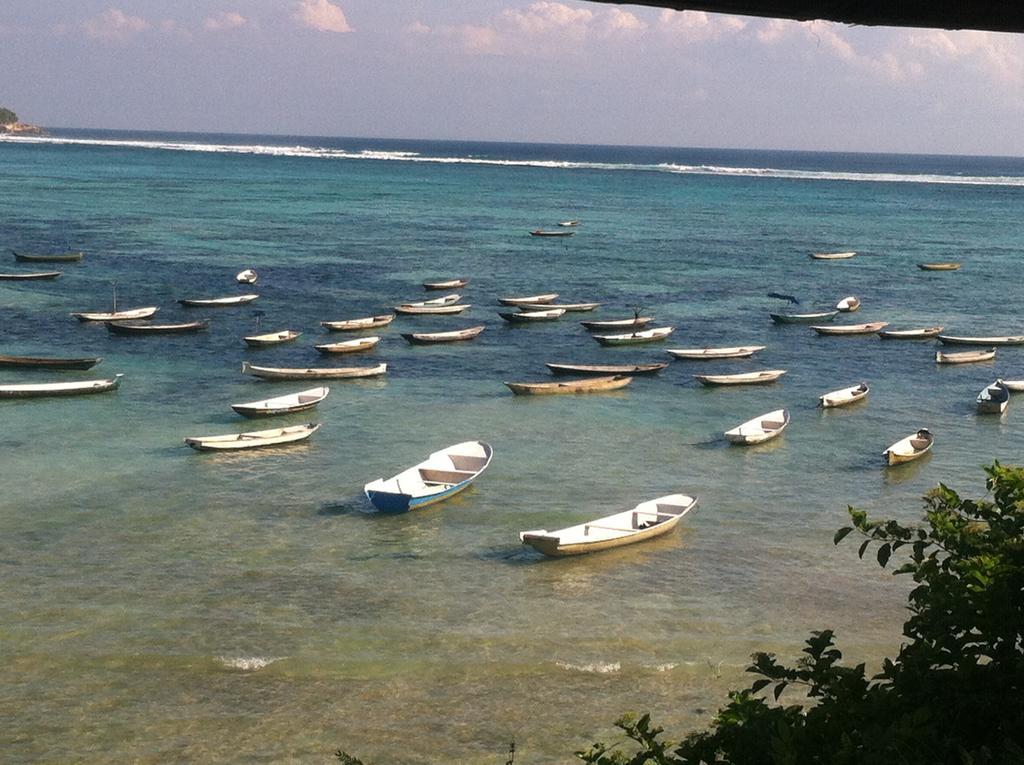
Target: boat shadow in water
908 471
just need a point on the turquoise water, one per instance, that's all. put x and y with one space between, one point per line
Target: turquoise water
162 605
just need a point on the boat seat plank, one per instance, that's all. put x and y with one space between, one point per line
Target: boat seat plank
589 526
467 462
435 476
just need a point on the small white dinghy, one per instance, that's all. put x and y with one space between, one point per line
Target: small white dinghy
760 429
909 448
548 297
635 338
248 276
744 378
455 336
909 334
986 341
353 325
451 284
848 304
349 346
701 354
255 439
451 299
574 307
844 396
851 329
636 321
832 255
219 302
440 310
645 521
994 399
526 317
42 390
313 373
271 338
442 475
288 404
964 357
126 315
1014 386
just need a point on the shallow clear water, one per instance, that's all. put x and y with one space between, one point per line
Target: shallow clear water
162 605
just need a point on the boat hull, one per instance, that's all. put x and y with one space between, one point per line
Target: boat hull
802 318
40 276
59 390
606 369
553 547
66 257
31 362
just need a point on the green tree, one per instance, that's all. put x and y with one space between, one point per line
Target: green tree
7 116
954 693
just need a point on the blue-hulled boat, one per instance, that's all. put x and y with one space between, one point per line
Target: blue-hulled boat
442 475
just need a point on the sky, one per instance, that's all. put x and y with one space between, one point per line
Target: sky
509 70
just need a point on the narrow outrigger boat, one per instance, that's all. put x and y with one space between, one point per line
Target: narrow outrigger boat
56 257
131 313
964 357
442 475
527 317
248 276
605 369
349 346
803 318
451 284
353 325
288 404
456 336
542 232
30 276
37 362
994 398
760 429
43 390
313 373
635 338
255 439
848 304
272 338
645 521
832 255
909 448
745 378
635 322
986 341
573 307
909 334
220 302
705 354
939 266
870 328
531 299
588 385
844 396
179 328
441 310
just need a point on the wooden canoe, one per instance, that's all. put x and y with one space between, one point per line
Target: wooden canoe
30 276
803 318
645 521
606 369
287 404
313 373
531 299
939 266
528 317
832 255
636 321
248 276
254 439
986 341
220 302
428 338
760 429
745 378
179 328
56 257
442 475
964 357
353 325
131 313
349 346
43 390
704 354
634 338
442 310
38 362
451 284
909 334
994 398
272 338
844 396
572 307
542 232
848 304
909 448
589 385
870 328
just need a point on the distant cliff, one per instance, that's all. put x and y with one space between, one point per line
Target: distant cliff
9 124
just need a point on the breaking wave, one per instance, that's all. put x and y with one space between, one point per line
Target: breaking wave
247 663
598 667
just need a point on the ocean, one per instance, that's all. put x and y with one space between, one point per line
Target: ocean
161 605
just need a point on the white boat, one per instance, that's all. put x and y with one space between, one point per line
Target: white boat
352 325
986 341
574 307
994 398
759 429
636 321
287 404
349 346
442 310
525 317
566 223
633 338
248 276
909 448
645 521
254 439
851 329
844 396
313 373
545 298
832 255
1014 386
271 338
458 335
131 313
737 352
848 304
909 334
803 318
586 385
442 475
451 284
744 378
42 390
219 302
964 357
451 299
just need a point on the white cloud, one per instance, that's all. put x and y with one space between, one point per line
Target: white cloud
223 20
115 25
322 15
997 56
698 26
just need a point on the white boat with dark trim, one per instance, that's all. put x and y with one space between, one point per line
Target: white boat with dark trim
528 317
909 334
586 385
605 369
909 448
832 255
248 276
1014 386
354 325
573 307
994 398
30 276
848 304
851 329
271 338
440 310
42 390
287 404
760 429
126 315
456 336
313 373
636 321
986 341
451 284
635 338
744 378
451 299
965 357
349 346
548 297
803 318
256 439
218 302
442 475
704 354
645 521
844 396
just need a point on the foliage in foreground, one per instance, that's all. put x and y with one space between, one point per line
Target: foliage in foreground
954 693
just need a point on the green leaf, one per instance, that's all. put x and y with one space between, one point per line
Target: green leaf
883 554
841 534
863 547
